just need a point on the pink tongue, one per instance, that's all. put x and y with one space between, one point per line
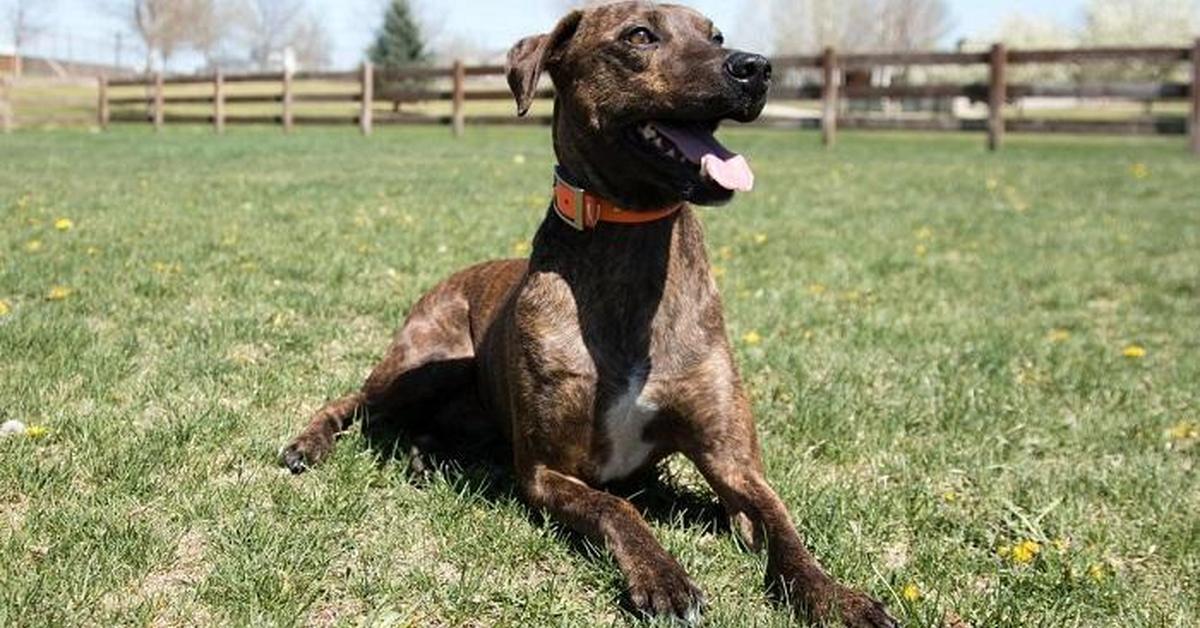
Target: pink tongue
732 174
726 168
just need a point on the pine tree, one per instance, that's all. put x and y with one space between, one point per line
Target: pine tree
399 41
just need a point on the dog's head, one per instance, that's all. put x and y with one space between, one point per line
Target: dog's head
640 89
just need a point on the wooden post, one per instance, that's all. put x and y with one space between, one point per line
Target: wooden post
159 103
102 114
219 103
829 97
1196 99
460 97
997 96
6 106
367 97
287 100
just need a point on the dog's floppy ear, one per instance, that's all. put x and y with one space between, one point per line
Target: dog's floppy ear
531 55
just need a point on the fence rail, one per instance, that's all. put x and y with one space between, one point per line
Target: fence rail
829 75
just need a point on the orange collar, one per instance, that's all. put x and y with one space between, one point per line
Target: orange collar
568 200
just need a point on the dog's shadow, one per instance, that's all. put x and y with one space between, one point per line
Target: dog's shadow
485 465
483 469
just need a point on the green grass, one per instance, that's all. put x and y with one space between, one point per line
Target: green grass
940 376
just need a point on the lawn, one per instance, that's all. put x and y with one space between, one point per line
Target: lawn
976 377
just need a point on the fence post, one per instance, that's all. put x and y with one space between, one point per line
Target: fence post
219 103
102 111
159 103
829 97
460 97
6 106
367 98
287 100
1196 98
997 96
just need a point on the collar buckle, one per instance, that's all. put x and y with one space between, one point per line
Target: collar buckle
578 201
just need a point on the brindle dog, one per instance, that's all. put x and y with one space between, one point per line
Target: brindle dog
606 351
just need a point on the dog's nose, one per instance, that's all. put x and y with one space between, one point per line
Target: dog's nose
747 67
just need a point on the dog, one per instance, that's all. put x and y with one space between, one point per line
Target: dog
606 351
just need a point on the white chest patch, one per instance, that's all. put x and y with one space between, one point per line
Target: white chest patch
625 422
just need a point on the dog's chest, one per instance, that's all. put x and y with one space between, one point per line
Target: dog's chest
624 426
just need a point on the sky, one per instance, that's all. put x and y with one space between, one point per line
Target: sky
87 29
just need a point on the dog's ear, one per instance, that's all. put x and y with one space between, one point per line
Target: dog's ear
532 55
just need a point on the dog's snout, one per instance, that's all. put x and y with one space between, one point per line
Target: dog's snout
748 68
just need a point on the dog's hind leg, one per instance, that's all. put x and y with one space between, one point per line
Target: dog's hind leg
317 438
431 359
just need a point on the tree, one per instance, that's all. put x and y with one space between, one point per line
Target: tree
270 29
910 25
399 41
1138 22
162 26
1145 22
212 24
25 23
310 43
808 26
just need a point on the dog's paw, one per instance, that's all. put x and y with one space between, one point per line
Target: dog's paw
296 457
856 609
665 591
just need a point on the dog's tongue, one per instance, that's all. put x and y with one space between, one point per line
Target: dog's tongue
730 170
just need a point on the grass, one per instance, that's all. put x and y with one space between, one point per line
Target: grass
933 337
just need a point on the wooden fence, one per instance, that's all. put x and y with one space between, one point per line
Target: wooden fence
365 90
998 92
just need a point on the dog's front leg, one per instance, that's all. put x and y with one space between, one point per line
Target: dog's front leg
658 585
725 450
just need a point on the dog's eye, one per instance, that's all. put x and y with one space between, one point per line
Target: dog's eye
641 36
718 38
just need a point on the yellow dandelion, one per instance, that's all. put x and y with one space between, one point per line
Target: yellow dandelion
718 271
64 224
921 250
760 238
817 289
1062 544
93 251
725 253
1134 352
949 497
518 159
924 233
1098 573
993 184
58 293
911 592
521 248
1139 171
1058 336
33 246
36 432
752 338
4 308
1025 552
1180 431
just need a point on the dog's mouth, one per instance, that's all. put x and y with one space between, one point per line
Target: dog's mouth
694 147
